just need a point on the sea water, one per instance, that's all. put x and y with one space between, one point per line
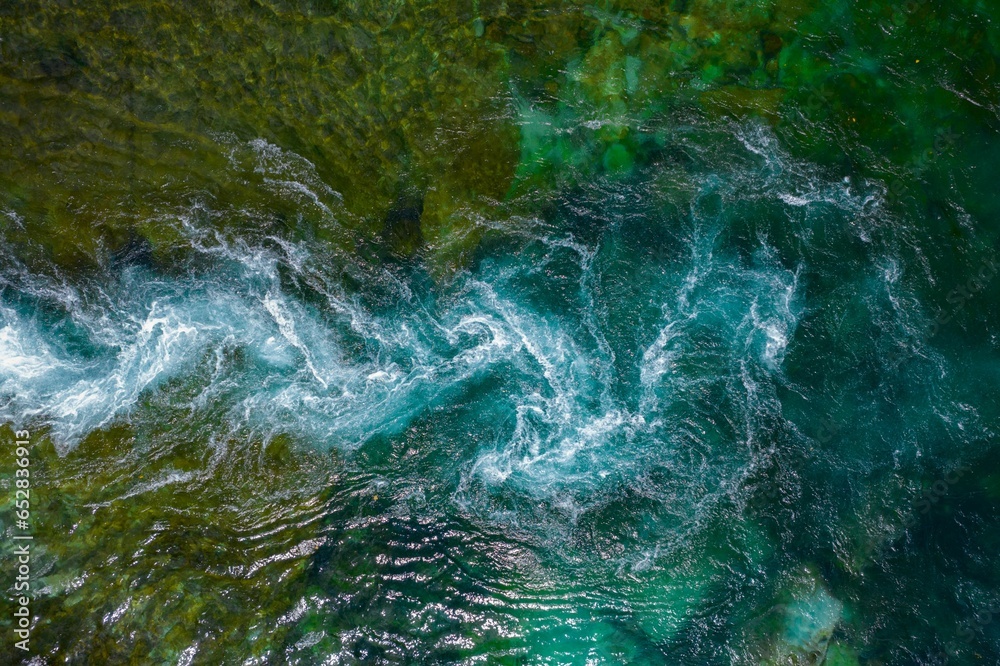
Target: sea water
620 350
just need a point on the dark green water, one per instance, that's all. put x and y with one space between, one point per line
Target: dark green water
502 333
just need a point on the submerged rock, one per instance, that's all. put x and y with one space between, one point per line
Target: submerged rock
810 616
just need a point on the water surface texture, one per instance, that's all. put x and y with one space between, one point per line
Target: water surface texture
355 332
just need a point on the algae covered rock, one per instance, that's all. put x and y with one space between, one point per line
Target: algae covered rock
375 104
156 537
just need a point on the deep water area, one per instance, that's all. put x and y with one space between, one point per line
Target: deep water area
353 332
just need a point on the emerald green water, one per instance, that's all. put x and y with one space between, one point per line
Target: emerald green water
551 333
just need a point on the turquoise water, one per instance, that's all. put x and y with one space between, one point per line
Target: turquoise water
528 334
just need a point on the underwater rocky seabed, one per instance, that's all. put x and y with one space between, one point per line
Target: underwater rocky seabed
550 333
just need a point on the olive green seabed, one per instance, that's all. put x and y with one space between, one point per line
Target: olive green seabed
422 128
118 115
141 551
130 108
